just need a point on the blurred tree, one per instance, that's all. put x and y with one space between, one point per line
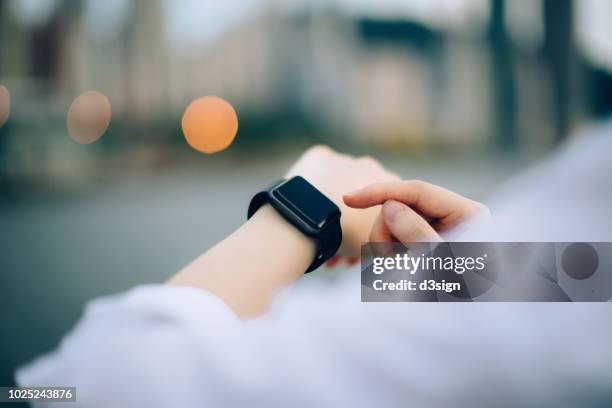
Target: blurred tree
559 52
2 6
503 81
599 91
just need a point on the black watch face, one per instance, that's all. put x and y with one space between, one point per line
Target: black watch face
302 197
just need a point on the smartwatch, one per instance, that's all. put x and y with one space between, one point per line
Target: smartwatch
307 209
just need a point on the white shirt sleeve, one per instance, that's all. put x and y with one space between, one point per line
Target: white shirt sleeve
160 346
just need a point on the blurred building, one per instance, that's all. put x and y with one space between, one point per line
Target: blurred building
501 73
393 80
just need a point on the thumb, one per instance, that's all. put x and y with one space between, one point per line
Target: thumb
406 225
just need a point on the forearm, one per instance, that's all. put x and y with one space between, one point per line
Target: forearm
251 265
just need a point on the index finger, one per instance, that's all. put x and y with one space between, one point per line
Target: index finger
428 199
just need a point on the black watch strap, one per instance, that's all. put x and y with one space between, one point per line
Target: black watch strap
261 198
327 241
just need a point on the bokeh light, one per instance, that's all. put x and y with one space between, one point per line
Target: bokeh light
210 124
5 104
88 117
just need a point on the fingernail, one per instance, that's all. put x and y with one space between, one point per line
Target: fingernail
391 209
353 192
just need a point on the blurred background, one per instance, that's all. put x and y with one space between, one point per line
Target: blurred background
460 93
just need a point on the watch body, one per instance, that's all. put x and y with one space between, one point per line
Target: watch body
309 210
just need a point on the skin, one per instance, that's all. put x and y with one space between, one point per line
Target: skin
251 265
273 254
413 210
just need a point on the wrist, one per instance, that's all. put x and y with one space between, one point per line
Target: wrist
269 227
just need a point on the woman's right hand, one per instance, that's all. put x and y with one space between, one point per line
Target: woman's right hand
413 210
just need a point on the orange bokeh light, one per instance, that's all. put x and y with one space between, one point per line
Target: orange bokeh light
5 104
210 124
88 117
